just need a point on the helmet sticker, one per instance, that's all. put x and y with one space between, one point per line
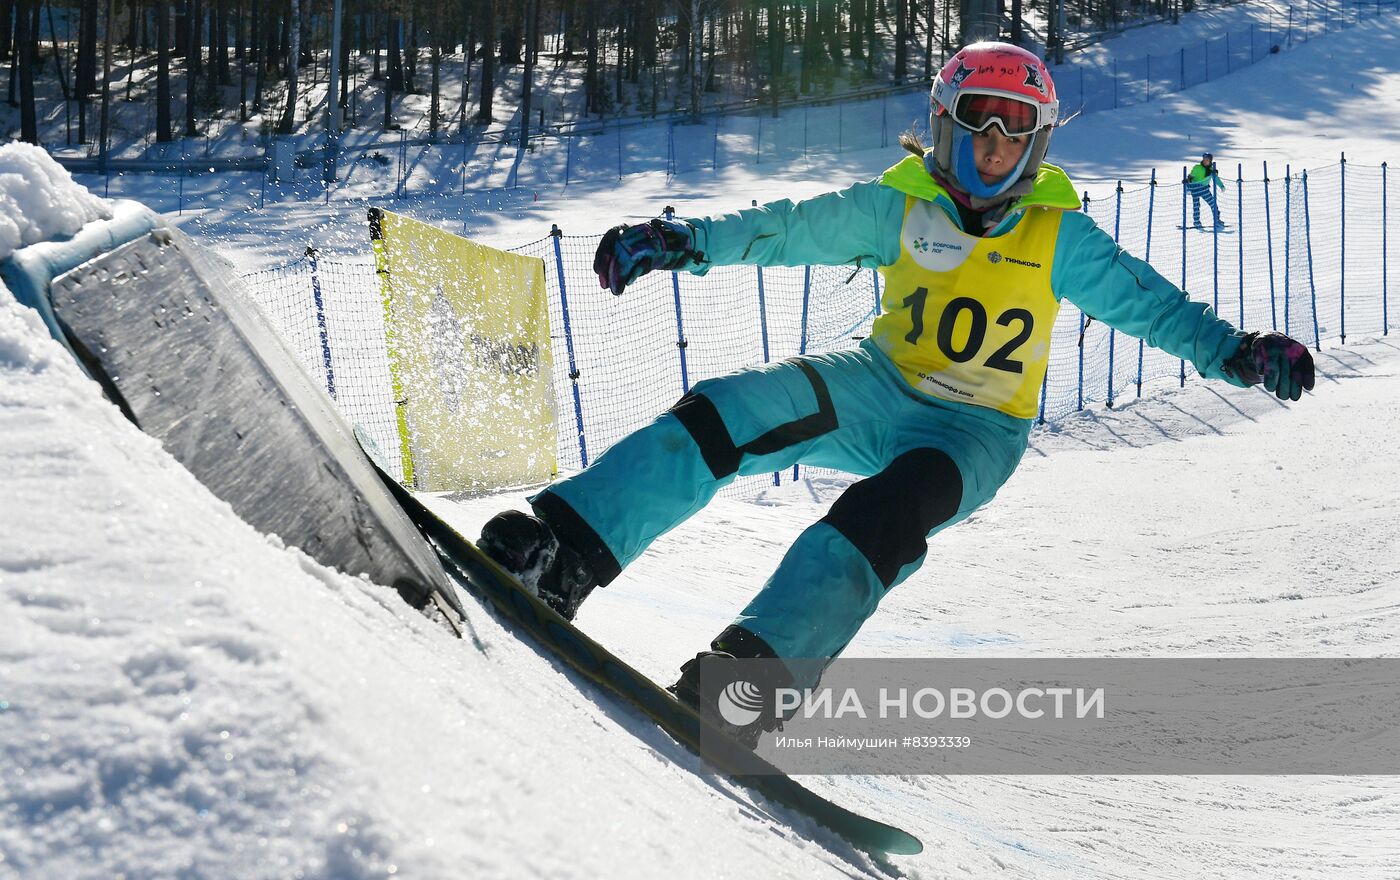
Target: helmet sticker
1034 79
963 72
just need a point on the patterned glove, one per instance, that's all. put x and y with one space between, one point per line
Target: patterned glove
1283 365
628 252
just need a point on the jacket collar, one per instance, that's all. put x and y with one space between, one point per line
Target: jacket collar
1052 189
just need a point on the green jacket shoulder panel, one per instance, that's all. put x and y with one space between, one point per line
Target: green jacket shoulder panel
1052 188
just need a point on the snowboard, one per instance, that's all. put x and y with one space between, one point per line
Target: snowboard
484 578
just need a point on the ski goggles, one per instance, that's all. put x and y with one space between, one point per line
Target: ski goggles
977 110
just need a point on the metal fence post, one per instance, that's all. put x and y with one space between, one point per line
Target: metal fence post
1183 253
1147 258
1287 247
1385 256
1215 251
681 343
802 343
321 321
1307 240
556 233
1079 391
181 197
1112 334
1239 229
1269 241
714 151
1343 305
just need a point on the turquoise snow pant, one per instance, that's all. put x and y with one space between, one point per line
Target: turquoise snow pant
928 464
1200 191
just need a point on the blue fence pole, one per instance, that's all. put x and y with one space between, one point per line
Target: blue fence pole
619 148
1117 219
403 164
321 321
1147 258
1239 229
1215 255
1287 246
1183 69
181 209
1079 392
1183 254
806 306
1312 282
762 305
1385 251
681 343
556 233
763 330
1343 305
568 158
1269 242
714 153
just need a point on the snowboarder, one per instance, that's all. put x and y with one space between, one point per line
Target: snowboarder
1201 182
978 240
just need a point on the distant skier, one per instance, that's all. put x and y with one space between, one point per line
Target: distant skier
1201 182
978 241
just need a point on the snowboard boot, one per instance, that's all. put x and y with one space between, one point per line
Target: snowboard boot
525 546
715 684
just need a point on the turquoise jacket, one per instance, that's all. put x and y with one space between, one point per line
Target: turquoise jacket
860 226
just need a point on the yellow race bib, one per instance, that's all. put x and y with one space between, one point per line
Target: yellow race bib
967 318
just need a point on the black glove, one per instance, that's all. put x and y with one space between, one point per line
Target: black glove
628 252
1283 365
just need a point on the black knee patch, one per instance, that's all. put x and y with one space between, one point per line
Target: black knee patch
887 517
574 531
702 420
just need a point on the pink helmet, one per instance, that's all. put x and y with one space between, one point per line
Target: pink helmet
983 85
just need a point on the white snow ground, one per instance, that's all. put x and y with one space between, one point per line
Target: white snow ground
180 696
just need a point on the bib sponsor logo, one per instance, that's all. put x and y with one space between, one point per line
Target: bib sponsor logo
997 257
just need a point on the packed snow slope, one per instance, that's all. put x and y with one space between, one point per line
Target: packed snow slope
183 697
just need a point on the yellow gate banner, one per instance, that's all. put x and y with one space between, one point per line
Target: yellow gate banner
468 335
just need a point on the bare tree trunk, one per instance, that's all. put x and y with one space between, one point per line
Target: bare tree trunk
164 134
488 60
24 54
532 27
901 40
435 59
105 129
7 11
289 115
697 33
191 65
